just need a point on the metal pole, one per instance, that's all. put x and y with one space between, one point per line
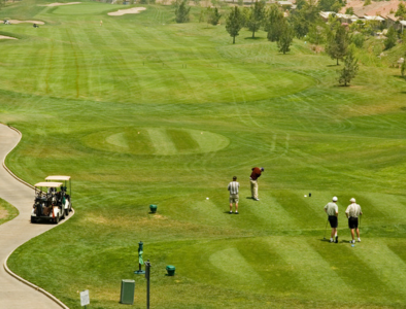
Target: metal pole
147 276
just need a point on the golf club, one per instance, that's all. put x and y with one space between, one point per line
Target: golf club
325 230
360 221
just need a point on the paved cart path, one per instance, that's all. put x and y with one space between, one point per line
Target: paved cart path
13 293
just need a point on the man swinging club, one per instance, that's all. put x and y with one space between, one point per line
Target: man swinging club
256 173
332 211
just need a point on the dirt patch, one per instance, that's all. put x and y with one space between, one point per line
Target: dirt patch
127 11
59 4
15 22
7 37
3 213
317 49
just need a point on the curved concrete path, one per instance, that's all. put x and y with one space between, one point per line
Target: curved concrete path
13 293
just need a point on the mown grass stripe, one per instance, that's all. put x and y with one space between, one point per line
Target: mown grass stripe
163 145
354 271
313 272
386 264
182 140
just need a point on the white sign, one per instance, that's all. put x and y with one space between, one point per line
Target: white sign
84 298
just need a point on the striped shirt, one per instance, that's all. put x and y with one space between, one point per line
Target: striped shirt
233 187
353 210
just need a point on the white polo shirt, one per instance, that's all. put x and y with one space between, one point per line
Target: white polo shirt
332 208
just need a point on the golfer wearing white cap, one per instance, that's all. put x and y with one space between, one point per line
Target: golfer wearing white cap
353 212
331 210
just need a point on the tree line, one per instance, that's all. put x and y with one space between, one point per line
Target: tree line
258 17
305 23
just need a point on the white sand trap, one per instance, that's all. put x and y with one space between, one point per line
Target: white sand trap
59 4
7 37
126 11
15 21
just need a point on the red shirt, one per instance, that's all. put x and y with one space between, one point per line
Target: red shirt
256 172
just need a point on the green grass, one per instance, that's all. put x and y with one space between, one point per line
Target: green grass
145 111
7 211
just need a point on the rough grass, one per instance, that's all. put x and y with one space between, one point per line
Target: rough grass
7 211
80 93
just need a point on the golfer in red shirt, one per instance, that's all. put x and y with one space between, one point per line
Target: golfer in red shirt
256 172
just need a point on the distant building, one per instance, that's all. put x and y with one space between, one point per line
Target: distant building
382 11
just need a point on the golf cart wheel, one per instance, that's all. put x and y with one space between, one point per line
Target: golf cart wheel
66 212
56 219
33 220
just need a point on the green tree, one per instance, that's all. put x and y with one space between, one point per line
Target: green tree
300 4
349 70
316 34
273 20
214 17
327 5
202 16
256 17
245 15
303 19
367 2
403 67
349 11
337 43
391 38
401 12
234 22
182 12
358 39
285 37
336 7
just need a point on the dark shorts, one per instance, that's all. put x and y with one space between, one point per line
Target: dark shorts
333 221
353 223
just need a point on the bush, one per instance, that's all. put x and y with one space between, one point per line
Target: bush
391 38
358 40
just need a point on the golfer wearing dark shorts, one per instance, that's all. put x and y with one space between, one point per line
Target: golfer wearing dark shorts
353 212
332 211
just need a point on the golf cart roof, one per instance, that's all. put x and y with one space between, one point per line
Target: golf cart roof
63 178
49 184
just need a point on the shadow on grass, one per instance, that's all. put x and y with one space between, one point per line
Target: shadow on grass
45 222
251 38
332 65
341 86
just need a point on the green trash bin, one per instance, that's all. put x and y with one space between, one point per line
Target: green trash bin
171 270
153 208
127 292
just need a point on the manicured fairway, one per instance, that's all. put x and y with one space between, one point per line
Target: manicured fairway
143 111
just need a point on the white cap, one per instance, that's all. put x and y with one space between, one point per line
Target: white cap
335 199
352 200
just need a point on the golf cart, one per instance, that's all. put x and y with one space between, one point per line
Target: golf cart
48 203
66 191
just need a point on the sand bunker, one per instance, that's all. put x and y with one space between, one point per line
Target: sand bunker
7 37
15 21
127 11
58 4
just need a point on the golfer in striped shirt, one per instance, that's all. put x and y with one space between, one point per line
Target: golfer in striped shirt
233 188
